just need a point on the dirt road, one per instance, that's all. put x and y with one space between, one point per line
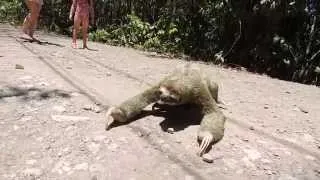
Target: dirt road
53 99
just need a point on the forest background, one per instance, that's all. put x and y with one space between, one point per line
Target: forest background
278 38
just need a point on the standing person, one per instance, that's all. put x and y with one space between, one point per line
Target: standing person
31 20
81 9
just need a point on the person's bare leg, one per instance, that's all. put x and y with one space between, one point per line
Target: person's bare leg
34 18
27 20
85 25
76 27
26 24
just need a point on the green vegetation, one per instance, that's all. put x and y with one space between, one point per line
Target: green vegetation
12 11
279 38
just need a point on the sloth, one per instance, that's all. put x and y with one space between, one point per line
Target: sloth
185 85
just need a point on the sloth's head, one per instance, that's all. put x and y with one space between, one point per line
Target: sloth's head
169 96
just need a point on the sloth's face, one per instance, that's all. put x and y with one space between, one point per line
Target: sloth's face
169 96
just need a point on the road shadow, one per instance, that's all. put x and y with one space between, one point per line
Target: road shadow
176 117
32 93
90 49
24 39
159 55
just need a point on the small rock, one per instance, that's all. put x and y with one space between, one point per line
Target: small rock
123 140
245 139
59 154
308 157
174 166
32 172
288 153
18 66
166 146
31 162
47 147
82 166
94 177
92 108
287 177
302 109
108 74
207 158
15 127
82 147
308 138
62 118
96 168
276 155
66 150
166 173
266 161
75 94
68 67
70 128
61 165
40 139
94 147
87 107
66 168
26 78
247 162
99 138
59 109
44 84
85 139
52 139
317 171
266 168
26 118
12 176
269 172
113 147
281 131
266 107
253 154
188 177
140 134
170 130
251 128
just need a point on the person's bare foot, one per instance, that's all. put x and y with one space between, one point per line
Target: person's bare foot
35 39
74 45
25 31
84 46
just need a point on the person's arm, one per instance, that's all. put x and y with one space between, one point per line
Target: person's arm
72 9
91 9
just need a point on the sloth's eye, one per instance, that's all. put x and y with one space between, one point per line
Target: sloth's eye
158 92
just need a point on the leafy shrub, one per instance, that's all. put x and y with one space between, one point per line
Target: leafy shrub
12 11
